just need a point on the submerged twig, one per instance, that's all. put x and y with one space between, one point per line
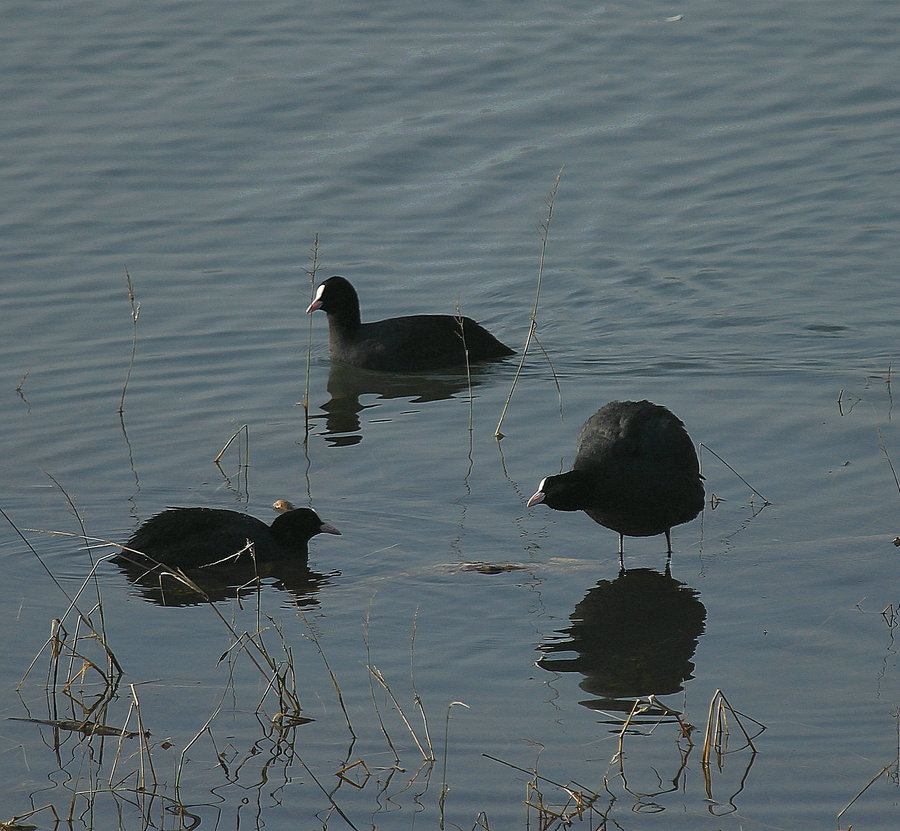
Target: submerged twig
545 234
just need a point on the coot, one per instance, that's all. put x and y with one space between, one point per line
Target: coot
415 343
195 537
635 472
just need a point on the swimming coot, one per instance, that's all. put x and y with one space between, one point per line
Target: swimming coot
635 472
195 537
415 343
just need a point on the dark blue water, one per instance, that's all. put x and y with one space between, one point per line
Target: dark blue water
723 241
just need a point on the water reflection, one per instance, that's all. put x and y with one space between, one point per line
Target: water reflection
346 384
633 636
161 585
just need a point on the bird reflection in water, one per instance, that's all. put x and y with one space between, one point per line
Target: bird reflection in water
161 585
630 637
347 384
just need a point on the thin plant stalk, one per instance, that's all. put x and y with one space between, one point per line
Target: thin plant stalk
545 234
445 789
311 271
412 678
135 311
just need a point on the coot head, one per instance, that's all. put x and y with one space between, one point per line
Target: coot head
337 297
566 492
295 527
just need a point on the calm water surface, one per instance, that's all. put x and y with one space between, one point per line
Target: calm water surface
723 241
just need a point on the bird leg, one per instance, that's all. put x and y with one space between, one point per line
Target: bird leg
622 552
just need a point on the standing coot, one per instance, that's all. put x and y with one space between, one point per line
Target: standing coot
636 472
415 343
195 537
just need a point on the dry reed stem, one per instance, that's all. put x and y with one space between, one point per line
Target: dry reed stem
380 678
717 726
314 638
145 742
868 785
545 234
371 683
13 824
581 795
245 429
462 337
412 679
445 788
135 311
92 576
115 670
754 490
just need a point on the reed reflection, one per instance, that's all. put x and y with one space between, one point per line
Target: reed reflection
347 384
630 637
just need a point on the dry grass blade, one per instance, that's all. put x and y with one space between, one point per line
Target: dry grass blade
545 234
135 311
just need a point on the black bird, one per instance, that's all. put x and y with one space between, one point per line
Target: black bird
415 343
635 472
195 537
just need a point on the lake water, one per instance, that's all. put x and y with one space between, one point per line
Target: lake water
723 241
